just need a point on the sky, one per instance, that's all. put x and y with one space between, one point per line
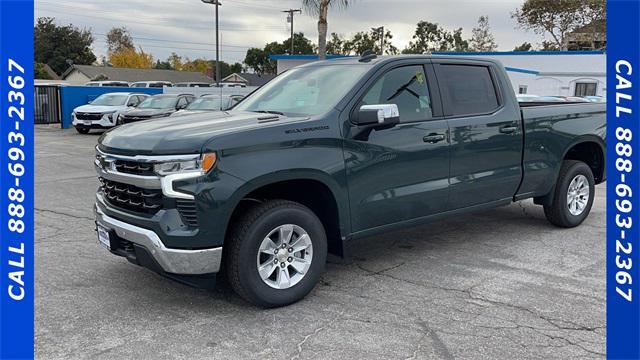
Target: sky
187 26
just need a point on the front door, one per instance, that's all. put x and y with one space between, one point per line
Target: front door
486 134
400 173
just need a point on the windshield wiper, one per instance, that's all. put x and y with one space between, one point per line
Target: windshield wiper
269 112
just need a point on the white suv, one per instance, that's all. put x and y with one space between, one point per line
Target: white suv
103 112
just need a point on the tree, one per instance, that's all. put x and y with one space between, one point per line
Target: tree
175 61
163 65
459 44
363 41
429 37
39 72
235 68
258 59
336 45
118 39
54 45
302 44
130 58
255 59
482 39
549 46
320 8
552 17
525 46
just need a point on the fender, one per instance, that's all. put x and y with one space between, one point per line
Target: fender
337 190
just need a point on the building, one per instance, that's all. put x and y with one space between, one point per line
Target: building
562 73
248 79
81 74
592 36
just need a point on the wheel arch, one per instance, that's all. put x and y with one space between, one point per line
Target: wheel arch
314 189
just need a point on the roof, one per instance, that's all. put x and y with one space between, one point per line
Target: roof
252 79
133 75
484 53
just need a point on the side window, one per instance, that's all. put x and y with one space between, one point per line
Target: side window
141 98
470 89
133 101
182 102
406 87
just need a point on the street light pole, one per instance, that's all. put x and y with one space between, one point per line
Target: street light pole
291 12
380 31
217 75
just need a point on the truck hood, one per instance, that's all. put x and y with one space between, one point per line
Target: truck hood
183 134
95 109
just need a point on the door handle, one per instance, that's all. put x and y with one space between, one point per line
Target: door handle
433 138
508 129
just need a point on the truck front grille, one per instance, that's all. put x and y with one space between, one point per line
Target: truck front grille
131 197
134 167
187 209
88 116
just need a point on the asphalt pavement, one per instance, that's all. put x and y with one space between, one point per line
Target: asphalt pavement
501 284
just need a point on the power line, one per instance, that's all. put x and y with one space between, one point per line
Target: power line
178 41
274 28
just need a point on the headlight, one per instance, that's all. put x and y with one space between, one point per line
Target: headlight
202 165
110 115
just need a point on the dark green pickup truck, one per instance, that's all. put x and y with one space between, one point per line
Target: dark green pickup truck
332 151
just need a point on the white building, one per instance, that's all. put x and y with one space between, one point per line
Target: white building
564 73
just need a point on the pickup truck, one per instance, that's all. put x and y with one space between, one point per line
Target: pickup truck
333 151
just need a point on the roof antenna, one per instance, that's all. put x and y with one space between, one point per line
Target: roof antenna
367 56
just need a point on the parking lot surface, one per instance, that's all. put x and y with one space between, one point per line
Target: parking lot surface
502 283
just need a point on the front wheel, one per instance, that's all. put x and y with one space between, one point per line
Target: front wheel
276 253
573 197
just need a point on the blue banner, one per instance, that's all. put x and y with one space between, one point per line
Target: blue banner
623 183
16 179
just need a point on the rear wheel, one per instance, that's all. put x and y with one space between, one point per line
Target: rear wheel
275 253
573 197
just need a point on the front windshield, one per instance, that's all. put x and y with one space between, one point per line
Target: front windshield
305 91
162 102
110 100
205 103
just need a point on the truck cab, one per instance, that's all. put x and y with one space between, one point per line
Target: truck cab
333 151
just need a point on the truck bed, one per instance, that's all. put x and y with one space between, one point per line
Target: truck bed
551 128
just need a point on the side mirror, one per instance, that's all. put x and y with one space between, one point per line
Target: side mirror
181 107
380 115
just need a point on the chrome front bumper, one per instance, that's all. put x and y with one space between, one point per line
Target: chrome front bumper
174 261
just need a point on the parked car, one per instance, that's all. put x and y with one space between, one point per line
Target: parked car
192 84
103 111
598 99
229 85
151 84
527 98
331 151
208 103
107 83
157 106
552 99
571 98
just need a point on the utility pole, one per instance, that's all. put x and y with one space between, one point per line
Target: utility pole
217 4
380 32
290 20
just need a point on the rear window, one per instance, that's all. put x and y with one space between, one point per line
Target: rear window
470 89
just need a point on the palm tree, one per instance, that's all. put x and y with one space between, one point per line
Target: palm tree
320 8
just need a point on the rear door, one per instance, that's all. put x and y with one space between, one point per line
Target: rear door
486 136
399 173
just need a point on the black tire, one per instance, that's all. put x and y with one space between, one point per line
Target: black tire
558 212
83 130
243 244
